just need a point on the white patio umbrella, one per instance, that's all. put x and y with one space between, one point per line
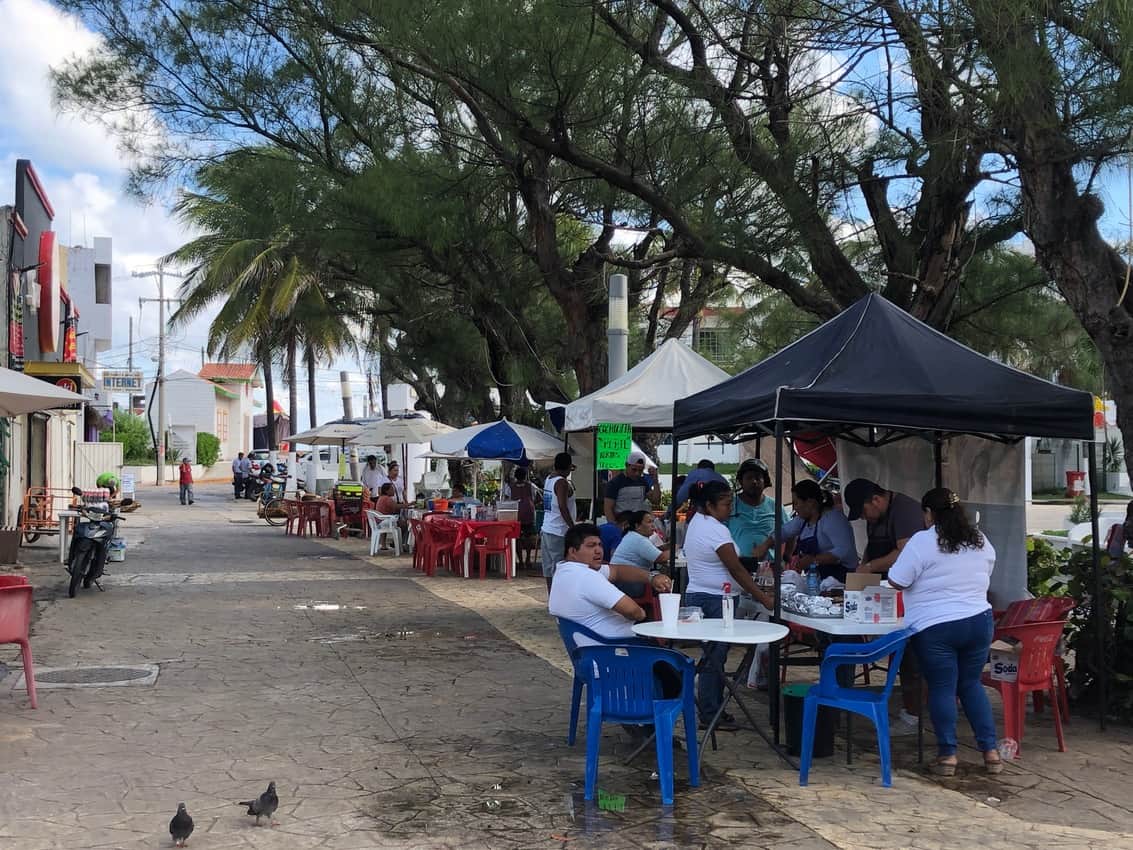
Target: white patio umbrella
400 431
21 394
331 434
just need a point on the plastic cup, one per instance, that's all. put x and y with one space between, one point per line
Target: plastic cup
670 609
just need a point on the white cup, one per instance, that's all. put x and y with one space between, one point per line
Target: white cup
670 607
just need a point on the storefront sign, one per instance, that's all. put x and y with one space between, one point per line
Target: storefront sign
121 381
614 442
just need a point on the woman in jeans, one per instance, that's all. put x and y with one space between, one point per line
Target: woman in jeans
944 572
712 562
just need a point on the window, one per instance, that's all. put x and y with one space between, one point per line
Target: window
712 344
221 424
101 284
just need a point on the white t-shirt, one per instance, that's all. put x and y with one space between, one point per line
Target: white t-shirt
586 596
553 522
941 587
706 572
373 479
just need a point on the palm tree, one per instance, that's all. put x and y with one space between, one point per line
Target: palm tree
249 257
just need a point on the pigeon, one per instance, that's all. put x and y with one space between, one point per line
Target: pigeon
263 806
181 827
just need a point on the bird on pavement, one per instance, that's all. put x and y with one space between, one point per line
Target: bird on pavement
263 806
181 827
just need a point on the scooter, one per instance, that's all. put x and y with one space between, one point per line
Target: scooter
90 544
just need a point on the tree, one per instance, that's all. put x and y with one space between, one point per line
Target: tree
134 435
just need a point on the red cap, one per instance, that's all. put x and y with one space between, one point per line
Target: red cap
727 587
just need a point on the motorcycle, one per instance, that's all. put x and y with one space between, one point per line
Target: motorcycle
90 544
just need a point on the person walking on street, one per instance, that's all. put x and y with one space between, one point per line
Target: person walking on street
186 479
238 474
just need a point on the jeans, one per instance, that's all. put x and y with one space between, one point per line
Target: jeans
186 493
952 658
238 484
710 682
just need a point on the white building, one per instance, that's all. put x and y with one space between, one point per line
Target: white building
91 292
217 400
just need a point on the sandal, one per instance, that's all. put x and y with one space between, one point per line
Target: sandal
943 768
993 766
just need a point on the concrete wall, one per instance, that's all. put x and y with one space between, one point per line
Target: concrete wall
189 400
95 320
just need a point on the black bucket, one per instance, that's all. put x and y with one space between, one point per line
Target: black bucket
793 697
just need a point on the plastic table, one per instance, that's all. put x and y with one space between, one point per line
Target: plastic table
63 541
749 633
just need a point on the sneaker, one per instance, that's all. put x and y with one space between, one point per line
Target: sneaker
903 724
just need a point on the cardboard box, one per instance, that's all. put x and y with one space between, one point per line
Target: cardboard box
878 605
854 596
1004 661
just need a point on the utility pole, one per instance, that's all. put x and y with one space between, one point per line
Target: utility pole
130 356
160 380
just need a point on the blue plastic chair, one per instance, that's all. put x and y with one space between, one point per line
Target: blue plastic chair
621 688
570 631
866 702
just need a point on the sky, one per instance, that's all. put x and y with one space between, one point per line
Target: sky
84 174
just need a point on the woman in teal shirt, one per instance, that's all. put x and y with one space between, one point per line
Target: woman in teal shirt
753 514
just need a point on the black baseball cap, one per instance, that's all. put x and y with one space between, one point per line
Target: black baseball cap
857 493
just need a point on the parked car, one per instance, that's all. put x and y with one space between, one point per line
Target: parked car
258 458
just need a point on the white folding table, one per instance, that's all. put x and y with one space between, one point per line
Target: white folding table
743 633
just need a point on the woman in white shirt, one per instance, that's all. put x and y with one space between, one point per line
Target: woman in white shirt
712 562
944 572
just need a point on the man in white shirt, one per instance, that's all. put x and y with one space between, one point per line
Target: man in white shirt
583 590
373 477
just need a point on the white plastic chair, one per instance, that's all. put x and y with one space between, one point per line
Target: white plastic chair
383 525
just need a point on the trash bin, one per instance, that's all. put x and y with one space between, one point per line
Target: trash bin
793 697
1075 483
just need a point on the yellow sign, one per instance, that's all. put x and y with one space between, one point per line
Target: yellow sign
614 442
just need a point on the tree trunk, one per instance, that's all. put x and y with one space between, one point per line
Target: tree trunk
269 392
312 389
293 382
1062 221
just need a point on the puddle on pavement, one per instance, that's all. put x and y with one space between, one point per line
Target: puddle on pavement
324 606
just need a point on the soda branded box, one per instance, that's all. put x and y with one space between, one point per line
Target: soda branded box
857 584
878 605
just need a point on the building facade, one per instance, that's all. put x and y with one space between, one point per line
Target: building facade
217 400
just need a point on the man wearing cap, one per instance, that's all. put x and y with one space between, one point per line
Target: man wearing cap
630 490
891 519
559 514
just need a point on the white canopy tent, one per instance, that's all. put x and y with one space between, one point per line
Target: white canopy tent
644 395
20 393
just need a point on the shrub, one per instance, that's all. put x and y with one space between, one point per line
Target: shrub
133 433
208 449
1081 510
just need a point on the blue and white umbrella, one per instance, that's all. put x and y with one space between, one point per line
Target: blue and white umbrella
501 440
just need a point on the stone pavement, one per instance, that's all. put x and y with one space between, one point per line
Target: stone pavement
398 711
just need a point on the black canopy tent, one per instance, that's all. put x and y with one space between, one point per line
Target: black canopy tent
874 375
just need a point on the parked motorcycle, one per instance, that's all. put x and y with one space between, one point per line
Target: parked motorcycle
90 544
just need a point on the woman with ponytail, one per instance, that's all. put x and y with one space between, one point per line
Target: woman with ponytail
944 572
819 533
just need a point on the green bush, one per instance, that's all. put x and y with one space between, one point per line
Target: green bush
133 433
208 449
1081 510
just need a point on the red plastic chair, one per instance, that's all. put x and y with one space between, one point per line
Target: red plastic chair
420 542
12 580
1037 650
1043 609
442 538
15 618
650 603
294 525
494 538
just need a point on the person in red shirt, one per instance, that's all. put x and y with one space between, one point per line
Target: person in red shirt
388 505
186 470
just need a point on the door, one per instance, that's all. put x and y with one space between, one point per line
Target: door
37 450
93 459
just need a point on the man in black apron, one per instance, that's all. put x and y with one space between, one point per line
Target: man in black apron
891 519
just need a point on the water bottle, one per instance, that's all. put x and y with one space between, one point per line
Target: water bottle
727 611
812 580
